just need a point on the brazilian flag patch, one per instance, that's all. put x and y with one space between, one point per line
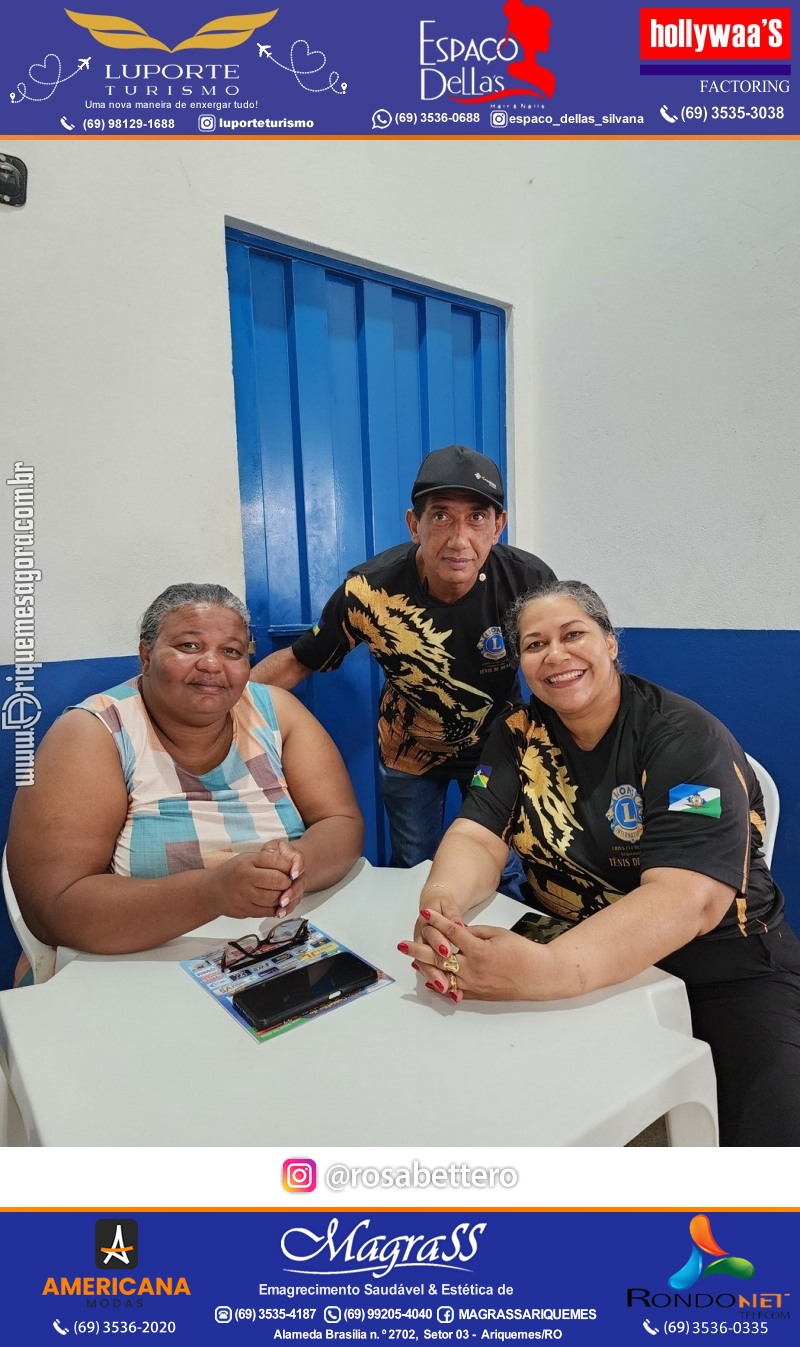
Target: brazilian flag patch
317 627
481 777
689 799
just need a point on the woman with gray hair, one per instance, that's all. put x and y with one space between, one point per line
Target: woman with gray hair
639 822
185 794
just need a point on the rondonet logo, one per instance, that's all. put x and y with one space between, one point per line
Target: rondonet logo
360 1251
707 1258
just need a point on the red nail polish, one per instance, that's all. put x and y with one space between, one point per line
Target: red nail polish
403 947
440 987
425 913
414 964
443 950
453 996
430 986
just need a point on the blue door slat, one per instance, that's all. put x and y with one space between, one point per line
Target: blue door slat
490 385
464 400
312 414
437 374
379 393
251 486
346 424
285 544
408 317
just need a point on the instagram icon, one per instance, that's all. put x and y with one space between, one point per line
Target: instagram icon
299 1176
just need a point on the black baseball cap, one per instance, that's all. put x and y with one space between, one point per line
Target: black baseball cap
461 469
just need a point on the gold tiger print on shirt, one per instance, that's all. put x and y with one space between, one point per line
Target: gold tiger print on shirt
545 823
426 716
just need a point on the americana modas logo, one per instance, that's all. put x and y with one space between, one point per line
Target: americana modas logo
230 31
116 1243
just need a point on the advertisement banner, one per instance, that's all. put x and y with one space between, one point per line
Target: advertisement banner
431 68
417 1277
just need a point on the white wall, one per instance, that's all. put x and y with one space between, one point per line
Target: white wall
654 289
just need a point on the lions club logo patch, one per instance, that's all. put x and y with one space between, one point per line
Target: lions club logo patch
491 644
625 813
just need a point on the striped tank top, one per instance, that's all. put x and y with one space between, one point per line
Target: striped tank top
177 821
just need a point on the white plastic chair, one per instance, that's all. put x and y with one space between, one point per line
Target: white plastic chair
42 957
772 806
12 1131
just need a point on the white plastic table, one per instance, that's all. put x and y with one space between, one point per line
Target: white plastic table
128 1051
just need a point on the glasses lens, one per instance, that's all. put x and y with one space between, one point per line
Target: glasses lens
284 931
241 950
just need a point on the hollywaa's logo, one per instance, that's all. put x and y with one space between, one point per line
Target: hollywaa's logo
462 67
378 1255
230 31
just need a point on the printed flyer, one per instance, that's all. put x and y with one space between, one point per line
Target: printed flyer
254 268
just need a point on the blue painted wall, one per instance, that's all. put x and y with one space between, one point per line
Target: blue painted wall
744 677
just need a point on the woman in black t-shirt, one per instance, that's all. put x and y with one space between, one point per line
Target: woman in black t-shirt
639 822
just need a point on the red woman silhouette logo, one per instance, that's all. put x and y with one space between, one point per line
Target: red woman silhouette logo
529 26
529 30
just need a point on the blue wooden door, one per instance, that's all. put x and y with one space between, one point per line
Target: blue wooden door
344 380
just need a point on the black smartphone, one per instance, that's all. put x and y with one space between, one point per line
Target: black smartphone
540 928
307 988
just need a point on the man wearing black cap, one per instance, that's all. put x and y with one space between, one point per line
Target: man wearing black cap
430 612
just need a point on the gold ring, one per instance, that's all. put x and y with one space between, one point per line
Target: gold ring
451 964
453 982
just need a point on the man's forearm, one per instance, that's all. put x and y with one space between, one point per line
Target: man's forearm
281 669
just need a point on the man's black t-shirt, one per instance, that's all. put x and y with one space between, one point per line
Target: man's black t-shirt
448 673
666 786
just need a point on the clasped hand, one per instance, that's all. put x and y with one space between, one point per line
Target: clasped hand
493 964
264 883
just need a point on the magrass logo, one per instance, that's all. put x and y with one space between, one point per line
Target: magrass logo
695 1267
116 1243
